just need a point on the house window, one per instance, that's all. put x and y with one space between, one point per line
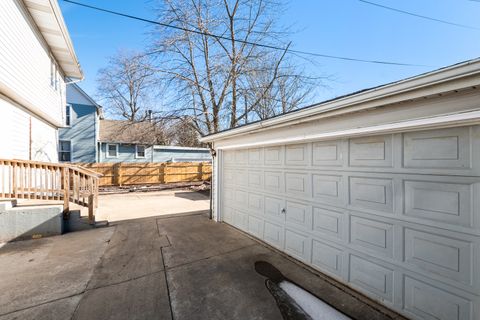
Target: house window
112 150
139 151
65 152
68 111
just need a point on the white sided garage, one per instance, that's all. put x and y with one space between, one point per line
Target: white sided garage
379 190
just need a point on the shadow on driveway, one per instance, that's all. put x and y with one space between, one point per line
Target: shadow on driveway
180 267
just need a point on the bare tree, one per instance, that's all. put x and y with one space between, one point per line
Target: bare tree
185 133
222 81
125 86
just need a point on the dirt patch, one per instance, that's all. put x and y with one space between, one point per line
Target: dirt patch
202 187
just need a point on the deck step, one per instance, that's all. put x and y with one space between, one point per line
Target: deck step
7 204
77 222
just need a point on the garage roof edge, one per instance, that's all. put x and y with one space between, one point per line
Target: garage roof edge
402 87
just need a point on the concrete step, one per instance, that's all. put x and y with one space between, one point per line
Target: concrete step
7 204
27 222
77 222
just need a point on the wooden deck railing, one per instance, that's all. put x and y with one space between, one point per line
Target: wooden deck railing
22 179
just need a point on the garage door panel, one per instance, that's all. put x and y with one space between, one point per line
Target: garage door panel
228 214
441 201
228 157
274 234
372 236
241 157
240 220
297 244
328 223
298 184
299 214
329 189
371 193
229 177
240 177
255 226
447 257
228 195
274 208
273 156
255 203
373 151
430 302
240 197
328 153
255 179
274 181
297 155
328 257
445 148
255 156
375 279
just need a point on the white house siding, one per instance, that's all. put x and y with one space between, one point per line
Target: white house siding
25 64
44 141
15 126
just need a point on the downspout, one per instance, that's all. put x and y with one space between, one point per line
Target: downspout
214 154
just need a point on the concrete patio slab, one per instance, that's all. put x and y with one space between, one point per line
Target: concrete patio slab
142 298
134 205
33 272
195 237
225 284
156 268
58 309
133 251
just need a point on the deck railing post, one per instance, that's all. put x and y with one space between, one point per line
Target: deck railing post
91 209
66 189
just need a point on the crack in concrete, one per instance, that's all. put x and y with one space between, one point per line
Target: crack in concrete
165 270
41 304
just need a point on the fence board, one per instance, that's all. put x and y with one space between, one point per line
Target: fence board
150 173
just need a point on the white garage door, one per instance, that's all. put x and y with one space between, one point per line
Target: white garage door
394 216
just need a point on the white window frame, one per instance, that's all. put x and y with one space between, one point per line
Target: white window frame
107 154
68 115
144 151
60 151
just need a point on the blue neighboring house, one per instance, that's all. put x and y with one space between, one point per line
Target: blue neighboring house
126 141
78 140
89 138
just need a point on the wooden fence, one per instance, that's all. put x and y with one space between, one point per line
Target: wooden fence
120 174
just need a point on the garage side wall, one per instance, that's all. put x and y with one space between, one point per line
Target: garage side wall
395 216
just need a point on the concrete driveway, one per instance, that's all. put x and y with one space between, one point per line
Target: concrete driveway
182 267
134 205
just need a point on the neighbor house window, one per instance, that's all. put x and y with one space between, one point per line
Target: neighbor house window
68 112
139 151
112 150
65 152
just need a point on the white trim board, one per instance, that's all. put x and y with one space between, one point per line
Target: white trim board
460 119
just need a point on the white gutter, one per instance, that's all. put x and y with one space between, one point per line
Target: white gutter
438 81
453 120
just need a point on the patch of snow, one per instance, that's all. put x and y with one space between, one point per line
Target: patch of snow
313 306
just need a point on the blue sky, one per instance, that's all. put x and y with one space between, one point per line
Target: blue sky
335 27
